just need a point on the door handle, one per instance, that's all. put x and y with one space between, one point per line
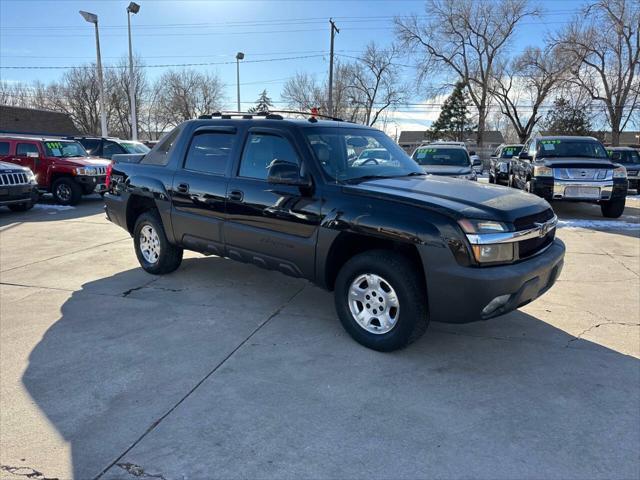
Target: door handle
236 195
183 188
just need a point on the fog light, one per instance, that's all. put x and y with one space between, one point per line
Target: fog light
497 252
495 304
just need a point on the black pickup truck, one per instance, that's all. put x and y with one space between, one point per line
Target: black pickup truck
399 247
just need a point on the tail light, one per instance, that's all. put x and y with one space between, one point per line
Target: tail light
107 180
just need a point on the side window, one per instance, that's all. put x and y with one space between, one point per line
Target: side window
160 153
260 150
209 152
25 148
110 149
4 148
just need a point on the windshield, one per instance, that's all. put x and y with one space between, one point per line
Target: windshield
457 157
510 152
135 147
349 154
64 149
571 148
624 156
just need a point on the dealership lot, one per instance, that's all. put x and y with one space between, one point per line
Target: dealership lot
225 370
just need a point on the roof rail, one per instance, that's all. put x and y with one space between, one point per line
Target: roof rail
271 115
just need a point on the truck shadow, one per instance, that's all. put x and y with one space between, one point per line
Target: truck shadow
47 210
531 402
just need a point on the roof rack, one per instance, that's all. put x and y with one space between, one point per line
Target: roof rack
271 115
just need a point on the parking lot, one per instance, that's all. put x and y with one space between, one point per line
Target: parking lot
224 370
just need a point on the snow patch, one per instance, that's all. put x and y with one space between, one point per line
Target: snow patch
599 224
46 206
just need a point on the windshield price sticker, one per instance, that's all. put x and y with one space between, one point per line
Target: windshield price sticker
550 142
53 145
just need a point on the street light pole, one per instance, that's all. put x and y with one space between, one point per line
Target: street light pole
93 18
334 30
132 8
239 56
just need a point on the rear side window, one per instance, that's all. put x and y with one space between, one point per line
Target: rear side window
24 148
262 149
4 148
110 149
209 152
91 145
160 153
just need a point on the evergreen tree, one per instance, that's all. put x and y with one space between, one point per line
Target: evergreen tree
454 119
262 104
566 118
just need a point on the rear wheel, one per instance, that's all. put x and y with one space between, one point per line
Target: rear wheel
155 254
66 191
381 300
613 208
21 207
491 178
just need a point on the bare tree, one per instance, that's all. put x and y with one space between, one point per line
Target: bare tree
466 37
374 84
186 94
521 86
603 45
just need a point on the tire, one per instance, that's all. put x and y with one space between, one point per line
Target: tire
160 256
21 207
613 208
492 179
66 191
395 274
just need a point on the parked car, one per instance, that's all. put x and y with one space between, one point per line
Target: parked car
372 156
571 169
18 189
447 160
62 167
500 163
108 147
475 158
397 247
630 158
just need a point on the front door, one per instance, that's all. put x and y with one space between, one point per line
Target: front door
273 226
199 189
28 155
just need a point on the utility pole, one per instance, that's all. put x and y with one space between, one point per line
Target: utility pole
334 30
132 8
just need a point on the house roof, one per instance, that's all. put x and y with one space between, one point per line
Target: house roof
35 122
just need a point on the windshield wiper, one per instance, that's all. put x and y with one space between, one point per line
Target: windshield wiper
415 174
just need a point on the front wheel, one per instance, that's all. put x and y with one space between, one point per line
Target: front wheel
66 191
381 300
492 179
155 254
613 208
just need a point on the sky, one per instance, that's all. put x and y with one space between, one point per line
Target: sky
279 39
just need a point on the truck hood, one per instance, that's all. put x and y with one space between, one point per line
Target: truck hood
83 162
455 197
446 169
6 167
577 162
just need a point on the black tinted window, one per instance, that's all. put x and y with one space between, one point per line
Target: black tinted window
261 150
111 148
160 153
24 148
209 152
90 145
4 148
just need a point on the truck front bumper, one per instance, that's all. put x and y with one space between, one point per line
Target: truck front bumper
94 182
551 189
459 294
14 194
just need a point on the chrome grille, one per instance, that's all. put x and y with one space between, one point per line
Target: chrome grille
13 179
101 170
582 173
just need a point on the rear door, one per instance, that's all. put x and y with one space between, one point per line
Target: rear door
199 188
273 226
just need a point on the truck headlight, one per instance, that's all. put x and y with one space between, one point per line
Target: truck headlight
620 172
482 226
542 171
489 252
31 178
468 176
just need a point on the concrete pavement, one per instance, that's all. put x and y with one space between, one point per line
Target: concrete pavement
223 370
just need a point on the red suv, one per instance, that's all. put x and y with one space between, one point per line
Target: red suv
62 167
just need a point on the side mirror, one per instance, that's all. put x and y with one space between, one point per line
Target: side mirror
616 156
33 155
286 173
524 156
